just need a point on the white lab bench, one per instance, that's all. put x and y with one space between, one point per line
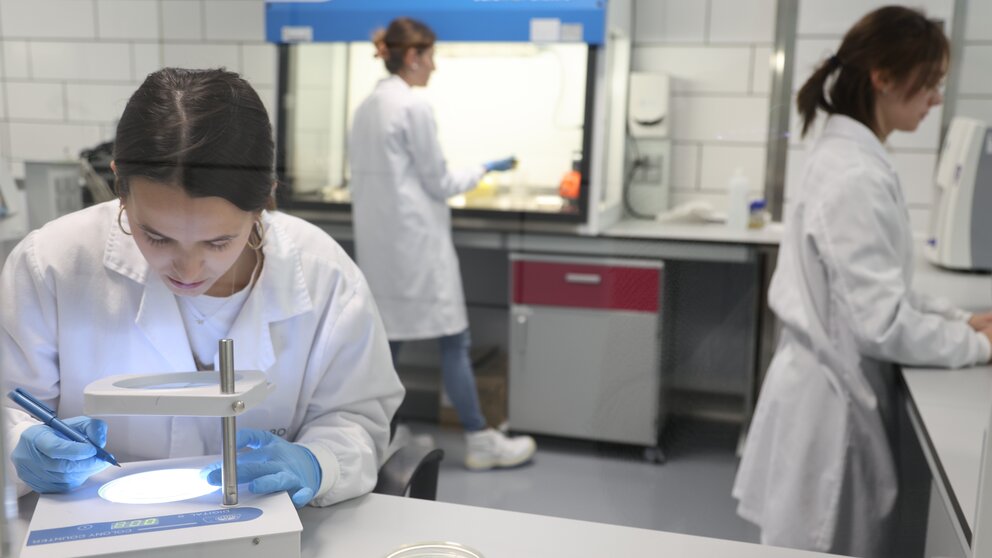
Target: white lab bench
373 525
949 411
714 286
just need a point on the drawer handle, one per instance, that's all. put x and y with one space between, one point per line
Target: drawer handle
583 278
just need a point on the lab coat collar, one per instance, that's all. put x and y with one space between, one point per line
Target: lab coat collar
395 81
279 293
839 125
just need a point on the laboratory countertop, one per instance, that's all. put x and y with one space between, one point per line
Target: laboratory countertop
954 405
770 234
636 229
374 525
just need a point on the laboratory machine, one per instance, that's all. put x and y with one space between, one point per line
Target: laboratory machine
648 182
545 82
165 508
960 228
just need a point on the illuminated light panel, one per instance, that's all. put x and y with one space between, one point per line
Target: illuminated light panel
157 487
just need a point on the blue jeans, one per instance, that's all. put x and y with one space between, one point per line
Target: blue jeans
458 378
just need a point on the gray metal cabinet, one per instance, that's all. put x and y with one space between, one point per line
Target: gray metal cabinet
585 347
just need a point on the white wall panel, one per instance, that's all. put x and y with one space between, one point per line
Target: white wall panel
742 21
916 171
15 60
259 64
720 119
698 69
34 19
235 20
81 61
720 162
96 103
50 142
182 20
36 101
685 167
191 55
670 21
147 58
128 19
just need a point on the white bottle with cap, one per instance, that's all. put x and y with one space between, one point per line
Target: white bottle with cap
737 205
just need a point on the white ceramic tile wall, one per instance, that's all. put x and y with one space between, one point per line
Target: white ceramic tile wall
742 21
146 57
761 70
976 79
182 20
96 103
36 101
833 17
975 97
128 19
717 53
698 69
976 108
66 78
915 172
670 21
84 61
259 63
33 19
685 174
46 142
15 60
234 20
977 26
720 162
199 55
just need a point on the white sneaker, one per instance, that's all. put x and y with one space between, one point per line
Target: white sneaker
491 448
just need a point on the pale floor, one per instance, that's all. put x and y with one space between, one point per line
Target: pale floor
689 493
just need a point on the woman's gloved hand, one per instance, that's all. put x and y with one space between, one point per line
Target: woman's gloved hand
49 462
500 164
273 465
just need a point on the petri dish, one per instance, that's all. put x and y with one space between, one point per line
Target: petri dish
434 549
157 487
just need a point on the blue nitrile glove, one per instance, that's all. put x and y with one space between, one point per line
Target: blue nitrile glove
273 465
500 164
49 462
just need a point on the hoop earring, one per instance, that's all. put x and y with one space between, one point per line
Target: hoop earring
258 232
119 224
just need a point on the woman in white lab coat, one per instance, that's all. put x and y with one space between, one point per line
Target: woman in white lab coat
817 470
191 254
400 185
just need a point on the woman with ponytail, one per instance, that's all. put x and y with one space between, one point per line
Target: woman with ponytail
817 471
400 185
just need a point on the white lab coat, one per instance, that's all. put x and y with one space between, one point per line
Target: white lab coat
817 470
400 185
78 302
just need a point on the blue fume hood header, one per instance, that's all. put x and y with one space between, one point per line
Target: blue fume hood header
452 20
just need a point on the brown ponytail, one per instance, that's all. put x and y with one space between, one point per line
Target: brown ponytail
901 42
403 33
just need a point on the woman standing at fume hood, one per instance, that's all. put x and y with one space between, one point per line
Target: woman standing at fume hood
400 185
818 471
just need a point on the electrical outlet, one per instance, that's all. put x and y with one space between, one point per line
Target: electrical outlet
649 171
